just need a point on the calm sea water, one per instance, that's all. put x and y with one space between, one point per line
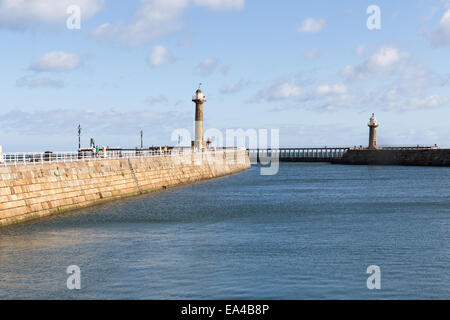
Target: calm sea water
309 232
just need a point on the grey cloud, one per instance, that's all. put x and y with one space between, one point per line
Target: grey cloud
235 87
384 61
441 35
312 54
57 61
39 82
112 122
157 100
207 66
280 91
157 18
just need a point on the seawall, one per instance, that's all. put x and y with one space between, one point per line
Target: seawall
37 190
411 157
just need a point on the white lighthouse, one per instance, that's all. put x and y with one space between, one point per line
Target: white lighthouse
199 99
373 125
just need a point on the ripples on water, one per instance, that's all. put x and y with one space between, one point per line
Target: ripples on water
309 232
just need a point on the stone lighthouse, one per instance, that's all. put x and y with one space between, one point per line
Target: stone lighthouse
373 125
199 99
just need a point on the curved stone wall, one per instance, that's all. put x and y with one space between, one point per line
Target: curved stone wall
33 191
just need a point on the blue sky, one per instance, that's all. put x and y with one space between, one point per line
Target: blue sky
311 69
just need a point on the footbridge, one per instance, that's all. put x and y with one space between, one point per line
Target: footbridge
303 154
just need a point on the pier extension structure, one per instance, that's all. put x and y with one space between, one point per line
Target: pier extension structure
301 154
371 155
407 156
335 155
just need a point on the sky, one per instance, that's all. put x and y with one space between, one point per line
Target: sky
314 70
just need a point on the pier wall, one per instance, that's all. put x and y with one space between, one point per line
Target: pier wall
424 157
32 191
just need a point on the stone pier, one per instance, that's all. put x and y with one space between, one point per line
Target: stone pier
37 190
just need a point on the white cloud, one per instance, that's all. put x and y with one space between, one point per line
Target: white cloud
235 87
324 90
57 61
384 58
312 25
333 97
221 5
207 66
327 98
280 91
39 82
232 88
382 61
413 87
401 85
413 79
21 14
313 53
441 36
393 101
286 91
159 56
279 108
328 133
406 87
156 18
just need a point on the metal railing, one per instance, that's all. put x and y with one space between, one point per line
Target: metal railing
27 158
397 148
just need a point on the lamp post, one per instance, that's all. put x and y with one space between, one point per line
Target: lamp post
79 137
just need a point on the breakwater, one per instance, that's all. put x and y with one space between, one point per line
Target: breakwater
412 157
37 190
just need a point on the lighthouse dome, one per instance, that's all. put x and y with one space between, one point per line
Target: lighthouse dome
373 121
199 95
